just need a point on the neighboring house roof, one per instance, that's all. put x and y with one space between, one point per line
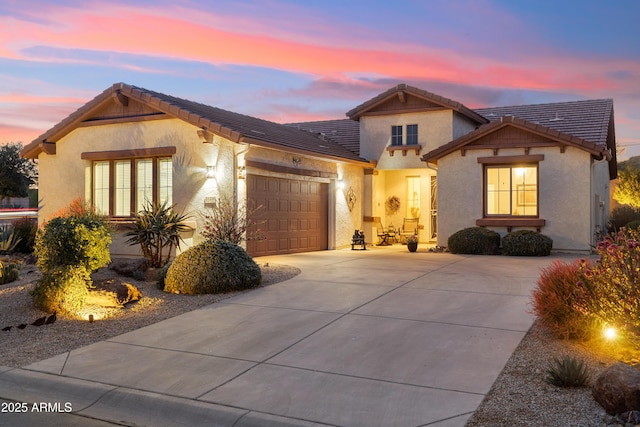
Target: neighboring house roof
233 126
345 132
402 89
588 120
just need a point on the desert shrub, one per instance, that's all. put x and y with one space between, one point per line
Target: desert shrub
62 289
8 241
162 274
526 243
556 298
633 225
568 372
212 267
610 287
229 222
157 230
25 230
622 215
474 240
74 241
9 273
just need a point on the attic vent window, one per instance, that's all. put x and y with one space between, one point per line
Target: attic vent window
556 118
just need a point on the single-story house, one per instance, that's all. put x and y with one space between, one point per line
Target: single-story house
405 153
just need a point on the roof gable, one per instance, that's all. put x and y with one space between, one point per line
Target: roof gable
588 120
404 98
131 103
514 132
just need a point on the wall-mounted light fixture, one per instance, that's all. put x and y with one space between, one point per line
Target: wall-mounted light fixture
211 171
242 172
341 184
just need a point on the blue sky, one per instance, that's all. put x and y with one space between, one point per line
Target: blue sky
309 60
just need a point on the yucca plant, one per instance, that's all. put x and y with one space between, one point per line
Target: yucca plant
157 229
8 241
568 371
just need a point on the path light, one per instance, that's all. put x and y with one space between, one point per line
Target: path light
610 333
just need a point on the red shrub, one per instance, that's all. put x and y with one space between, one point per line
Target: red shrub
555 300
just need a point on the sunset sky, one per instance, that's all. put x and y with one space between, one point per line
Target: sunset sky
290 61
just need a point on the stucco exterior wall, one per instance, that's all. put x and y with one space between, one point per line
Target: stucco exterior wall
65 176
434 129
565 194
462 125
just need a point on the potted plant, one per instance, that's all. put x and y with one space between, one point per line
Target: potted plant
412 243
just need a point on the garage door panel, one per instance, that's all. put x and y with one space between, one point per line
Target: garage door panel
296 214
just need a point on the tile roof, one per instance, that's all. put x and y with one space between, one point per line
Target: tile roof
345 132
588 120
356 112
560 138
234 126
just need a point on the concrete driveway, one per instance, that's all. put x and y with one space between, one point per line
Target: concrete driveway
381 337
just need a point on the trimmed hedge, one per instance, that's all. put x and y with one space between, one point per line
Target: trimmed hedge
526 243
474 241
212 267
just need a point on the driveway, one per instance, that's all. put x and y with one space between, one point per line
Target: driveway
381 337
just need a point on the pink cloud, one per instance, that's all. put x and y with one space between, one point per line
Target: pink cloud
162 33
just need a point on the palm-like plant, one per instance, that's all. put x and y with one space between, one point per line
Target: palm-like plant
157 228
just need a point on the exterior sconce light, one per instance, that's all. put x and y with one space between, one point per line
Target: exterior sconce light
242 172
211 171
341 184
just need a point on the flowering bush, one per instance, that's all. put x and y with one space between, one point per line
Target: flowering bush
609 289
555 301
228 222
412 239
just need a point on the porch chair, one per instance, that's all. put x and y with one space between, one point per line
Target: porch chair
382 235
409 228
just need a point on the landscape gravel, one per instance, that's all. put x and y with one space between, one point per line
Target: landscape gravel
20 347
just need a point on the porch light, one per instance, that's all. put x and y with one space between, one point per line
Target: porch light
211 171
341 184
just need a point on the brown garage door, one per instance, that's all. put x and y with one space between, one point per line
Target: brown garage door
293 215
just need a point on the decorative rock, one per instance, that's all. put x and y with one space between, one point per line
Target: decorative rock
617 389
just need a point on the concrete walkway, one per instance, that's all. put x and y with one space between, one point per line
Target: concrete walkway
381 337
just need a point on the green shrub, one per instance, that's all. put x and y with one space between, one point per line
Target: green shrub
62 289
212 267
25 230
9 273
162 274
633 225
526 243
568 372
609 289
474 240
74 241
622 215
555 301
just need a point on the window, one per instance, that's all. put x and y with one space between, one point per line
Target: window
511 190
396 135
413 197
412 134
121 185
